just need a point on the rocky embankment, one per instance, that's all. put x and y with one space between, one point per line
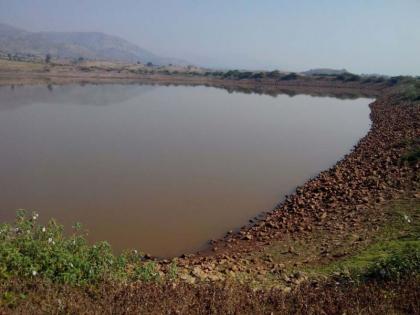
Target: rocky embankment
336 201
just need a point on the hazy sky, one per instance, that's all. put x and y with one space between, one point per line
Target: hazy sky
363 36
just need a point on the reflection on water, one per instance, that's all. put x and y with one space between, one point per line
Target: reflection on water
163 169
99 95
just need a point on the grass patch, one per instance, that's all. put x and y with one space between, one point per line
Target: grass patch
395 252
385 260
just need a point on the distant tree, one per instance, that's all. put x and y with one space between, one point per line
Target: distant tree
138 62
149 64
80 59
258 75
290 76
9 56
348 77
274 74
47 58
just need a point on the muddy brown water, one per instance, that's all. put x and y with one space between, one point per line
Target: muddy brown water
163 169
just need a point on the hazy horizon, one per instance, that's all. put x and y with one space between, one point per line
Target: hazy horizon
376 37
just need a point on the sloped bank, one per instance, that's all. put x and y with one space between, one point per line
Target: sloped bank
336 201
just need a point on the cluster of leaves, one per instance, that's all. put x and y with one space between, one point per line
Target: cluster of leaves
401 263
29 250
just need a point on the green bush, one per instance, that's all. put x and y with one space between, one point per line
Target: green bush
399 264
29 249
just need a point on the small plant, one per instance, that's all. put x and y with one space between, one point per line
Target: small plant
147 272
173 271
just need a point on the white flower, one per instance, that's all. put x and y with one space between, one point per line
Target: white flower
34 273
44 229
71 265
35 216
50 240
406 217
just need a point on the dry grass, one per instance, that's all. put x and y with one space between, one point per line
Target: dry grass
225 298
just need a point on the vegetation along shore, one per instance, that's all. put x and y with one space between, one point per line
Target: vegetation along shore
347 241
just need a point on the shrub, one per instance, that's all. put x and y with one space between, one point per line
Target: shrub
290 76
373 79
274 74
399 264
411 91
30 250
245 75
258 75
348 77
231 74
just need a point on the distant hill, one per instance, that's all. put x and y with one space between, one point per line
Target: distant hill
88 45
325 71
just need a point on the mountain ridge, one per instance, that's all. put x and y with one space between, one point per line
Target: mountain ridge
74 45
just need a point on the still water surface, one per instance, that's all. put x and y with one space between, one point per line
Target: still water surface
163 169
